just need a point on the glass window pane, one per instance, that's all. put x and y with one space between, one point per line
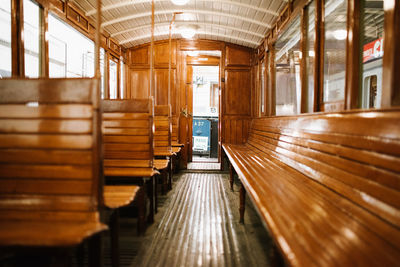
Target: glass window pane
335 50
372 53
122 79
103 78
113 77
287 70
262 86
71 54
5 38
31 39
310 56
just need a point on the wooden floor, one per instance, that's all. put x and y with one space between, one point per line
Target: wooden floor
198 226
203 166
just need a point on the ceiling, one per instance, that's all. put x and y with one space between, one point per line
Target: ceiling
242 22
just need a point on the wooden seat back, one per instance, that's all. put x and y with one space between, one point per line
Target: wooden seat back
162 130
354 154
127 133
50 167
175 130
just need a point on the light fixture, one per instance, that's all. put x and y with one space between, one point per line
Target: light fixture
340 34
188 31
180 2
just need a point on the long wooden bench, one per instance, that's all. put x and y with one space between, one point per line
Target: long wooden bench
50 171
128 149
326 185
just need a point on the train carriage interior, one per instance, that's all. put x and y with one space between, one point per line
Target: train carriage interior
199 133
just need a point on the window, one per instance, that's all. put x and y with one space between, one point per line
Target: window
71 54
122 79
372 53
32 39
310 56
287 70
5 38
262 86
103 77
113 79
335 50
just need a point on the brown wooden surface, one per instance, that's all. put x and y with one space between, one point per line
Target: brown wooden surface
326 185
117 196
128 138
50 183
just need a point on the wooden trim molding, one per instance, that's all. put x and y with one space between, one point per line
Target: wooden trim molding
391 57
353 54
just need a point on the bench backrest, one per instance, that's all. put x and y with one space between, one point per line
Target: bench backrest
127 133
50 165
355 154
175 129
162 129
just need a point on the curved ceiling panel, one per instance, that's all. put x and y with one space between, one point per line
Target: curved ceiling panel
242 22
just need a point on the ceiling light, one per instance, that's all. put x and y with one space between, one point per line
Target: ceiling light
187 32
340 34
180 2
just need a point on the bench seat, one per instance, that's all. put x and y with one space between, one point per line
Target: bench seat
300 177
129 172
48 233
117 196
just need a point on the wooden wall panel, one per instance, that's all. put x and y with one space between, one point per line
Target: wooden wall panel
140 57
236 129
161 86
237 56
237 100
161 55
139 83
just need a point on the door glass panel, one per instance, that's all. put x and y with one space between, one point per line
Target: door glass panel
287 70
310 56
372 53
335 50
113 76
5 38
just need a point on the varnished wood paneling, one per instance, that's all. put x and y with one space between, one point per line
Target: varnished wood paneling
139 83
161 55
140 56
237 99
237 56
161 86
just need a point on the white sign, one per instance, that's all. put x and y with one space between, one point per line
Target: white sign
200 143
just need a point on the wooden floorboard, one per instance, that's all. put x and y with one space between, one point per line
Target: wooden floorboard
199 227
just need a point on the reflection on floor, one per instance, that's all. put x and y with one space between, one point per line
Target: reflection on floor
203 166
197 158
198 226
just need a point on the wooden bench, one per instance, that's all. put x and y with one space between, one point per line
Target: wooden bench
50 171
115 198
128 150
162 137
326 185
176 146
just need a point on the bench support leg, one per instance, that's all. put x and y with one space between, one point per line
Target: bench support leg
150 193
242 203
231 176
95 251
170 174
141 203
114 234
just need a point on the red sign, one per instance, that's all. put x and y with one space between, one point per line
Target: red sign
373 50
